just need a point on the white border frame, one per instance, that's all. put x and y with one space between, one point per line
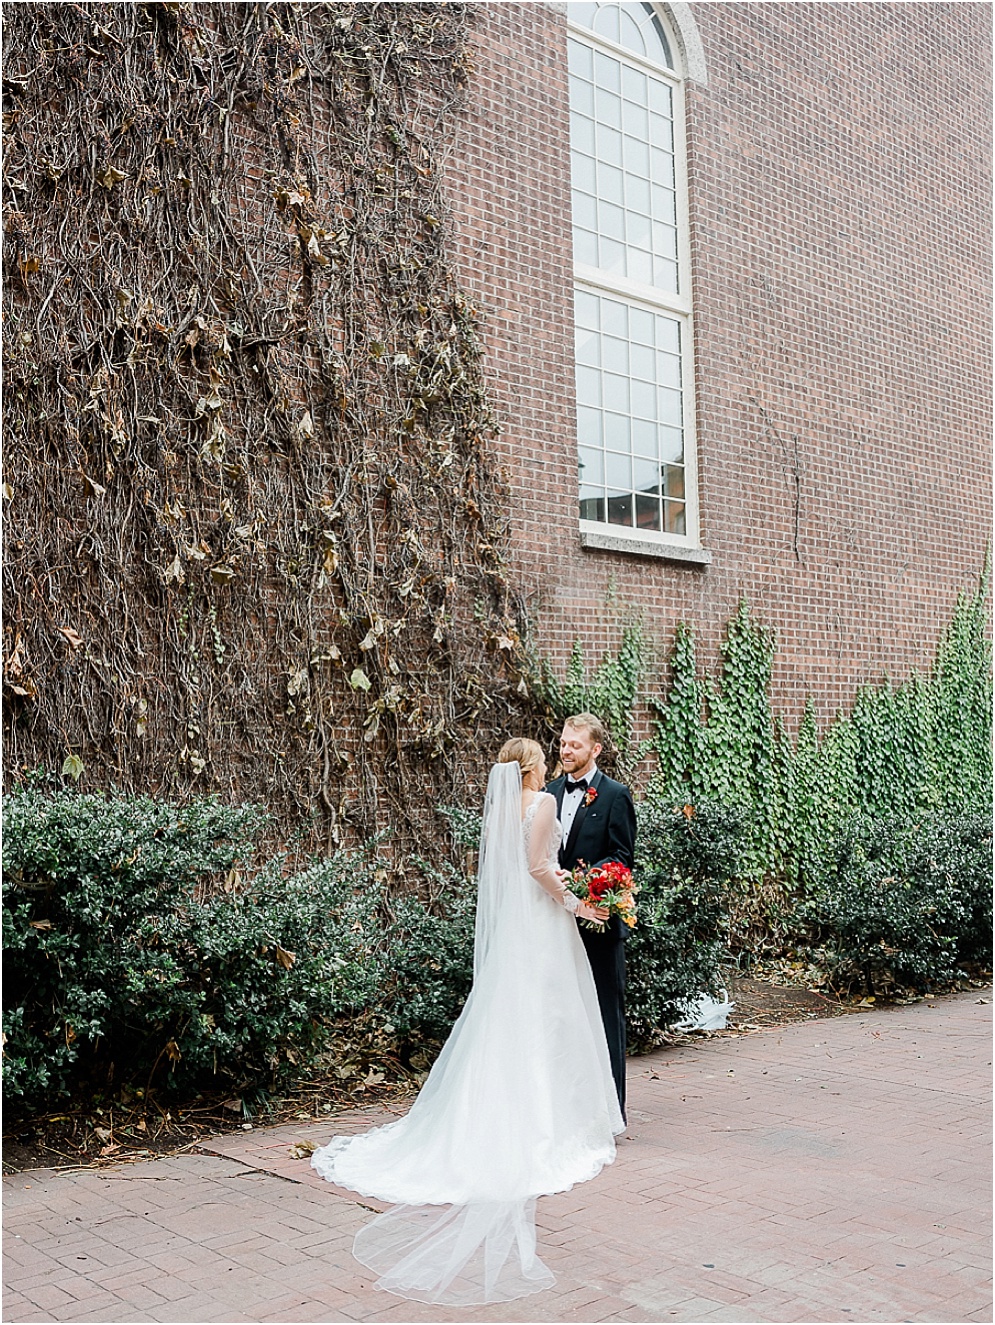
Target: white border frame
679 305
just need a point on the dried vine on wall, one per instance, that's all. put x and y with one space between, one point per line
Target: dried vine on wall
253 541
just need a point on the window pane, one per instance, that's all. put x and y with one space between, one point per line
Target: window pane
584 210
661 133
664 240
582 134
582 172
674 480
612 256
615 355
608 73
639 228
582 96
637 193
610 145
614 318
670 406
588 347
665 274
633 85
617 394
617 433
586 247
661 168
673 517
668 370
647 512
642 326
609 182
606 21
580 59
586 309
592 504
608 110
646 476
637 156
620 509
668 335
629 34
671 444
583 13
643 362
612 220
659 97
592 466
639 266
589 425
644 441
588 386
643 400
618 471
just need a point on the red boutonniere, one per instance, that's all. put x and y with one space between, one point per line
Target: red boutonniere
590 797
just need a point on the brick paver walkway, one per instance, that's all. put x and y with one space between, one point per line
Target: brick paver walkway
834 1170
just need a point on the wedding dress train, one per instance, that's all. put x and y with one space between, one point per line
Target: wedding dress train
520 1102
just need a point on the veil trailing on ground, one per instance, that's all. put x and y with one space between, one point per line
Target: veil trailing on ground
520 1101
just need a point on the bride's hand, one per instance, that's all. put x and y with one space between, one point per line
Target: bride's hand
586 912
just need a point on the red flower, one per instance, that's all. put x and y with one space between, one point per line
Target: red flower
590 797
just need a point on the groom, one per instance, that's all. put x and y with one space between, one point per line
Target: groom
599 824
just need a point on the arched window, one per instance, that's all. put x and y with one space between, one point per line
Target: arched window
635 405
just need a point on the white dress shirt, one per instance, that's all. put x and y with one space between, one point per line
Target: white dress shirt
573 800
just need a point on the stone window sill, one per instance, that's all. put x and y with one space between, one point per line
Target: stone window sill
637 547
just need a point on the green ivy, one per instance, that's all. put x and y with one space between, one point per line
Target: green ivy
611 692
902 750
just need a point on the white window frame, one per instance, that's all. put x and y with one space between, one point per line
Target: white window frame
678 306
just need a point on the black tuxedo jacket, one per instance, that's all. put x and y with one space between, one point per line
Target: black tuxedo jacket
602 831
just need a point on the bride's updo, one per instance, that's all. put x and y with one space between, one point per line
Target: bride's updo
527 754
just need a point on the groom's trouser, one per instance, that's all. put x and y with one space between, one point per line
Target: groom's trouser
606 953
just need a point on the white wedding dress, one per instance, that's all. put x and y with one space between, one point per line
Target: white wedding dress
520 1101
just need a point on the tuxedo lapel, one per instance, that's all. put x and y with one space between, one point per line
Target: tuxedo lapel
575 827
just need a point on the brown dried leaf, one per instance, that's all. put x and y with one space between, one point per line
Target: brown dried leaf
111 176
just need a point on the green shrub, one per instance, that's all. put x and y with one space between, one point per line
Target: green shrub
907 902
425 955
133 950
685 859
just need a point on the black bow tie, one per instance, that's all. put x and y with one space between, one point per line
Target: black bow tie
581 785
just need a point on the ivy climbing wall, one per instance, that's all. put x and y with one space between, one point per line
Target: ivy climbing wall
253 544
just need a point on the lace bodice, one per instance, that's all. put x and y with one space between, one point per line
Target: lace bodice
542 833
555 838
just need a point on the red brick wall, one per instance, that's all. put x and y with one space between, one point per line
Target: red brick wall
838 162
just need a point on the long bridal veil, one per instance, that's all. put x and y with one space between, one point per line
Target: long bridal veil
519 1103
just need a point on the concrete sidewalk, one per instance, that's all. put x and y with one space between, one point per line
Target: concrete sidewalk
832 1170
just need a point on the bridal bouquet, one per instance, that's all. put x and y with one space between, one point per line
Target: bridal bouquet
607 885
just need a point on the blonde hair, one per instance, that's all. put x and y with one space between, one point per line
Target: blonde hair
519 750
587 722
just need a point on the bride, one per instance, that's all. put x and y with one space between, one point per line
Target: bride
521 1100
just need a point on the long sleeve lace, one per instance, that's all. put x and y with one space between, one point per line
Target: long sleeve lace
542 848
